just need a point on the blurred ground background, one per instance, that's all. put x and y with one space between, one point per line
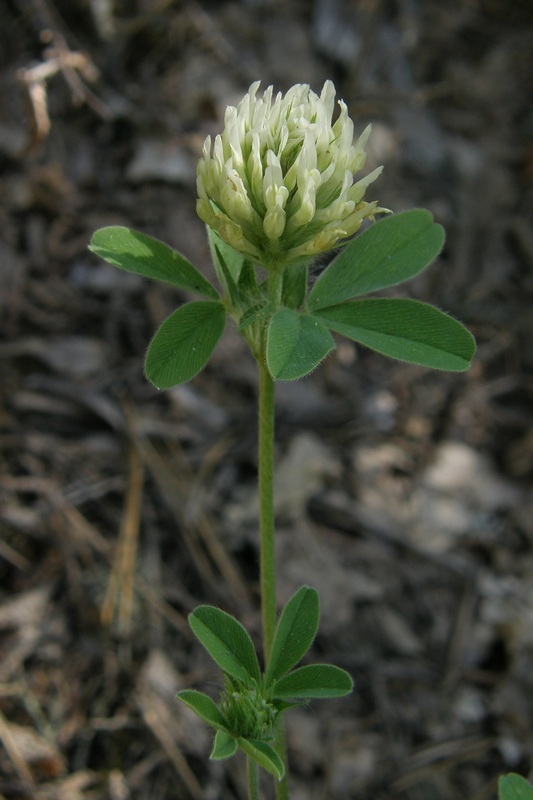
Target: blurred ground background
404 495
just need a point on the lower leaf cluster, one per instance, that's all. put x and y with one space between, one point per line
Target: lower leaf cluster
251 702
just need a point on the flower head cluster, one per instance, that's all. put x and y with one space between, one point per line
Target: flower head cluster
278 183
248 713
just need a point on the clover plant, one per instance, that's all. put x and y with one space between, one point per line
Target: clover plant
277 188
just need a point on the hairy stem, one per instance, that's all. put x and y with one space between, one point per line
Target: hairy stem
275 287
267 538
266 507
252 771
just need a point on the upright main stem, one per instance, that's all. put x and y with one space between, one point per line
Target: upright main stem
266 507
267 538
252 771
266 479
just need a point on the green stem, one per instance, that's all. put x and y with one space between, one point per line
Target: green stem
275 286
267 538
266 507
282 788
252 771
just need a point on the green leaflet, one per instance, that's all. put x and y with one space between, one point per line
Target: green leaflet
514 787
404 329
296 344
295 632
144 255
264 755
224 746
393 250
314 681
205 708
227 642
184 343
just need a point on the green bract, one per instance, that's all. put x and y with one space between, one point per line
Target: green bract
251 702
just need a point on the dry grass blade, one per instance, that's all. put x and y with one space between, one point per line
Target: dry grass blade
204 545
423 764
174 753
15 754
120 589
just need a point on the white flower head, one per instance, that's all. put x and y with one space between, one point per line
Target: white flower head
278 182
